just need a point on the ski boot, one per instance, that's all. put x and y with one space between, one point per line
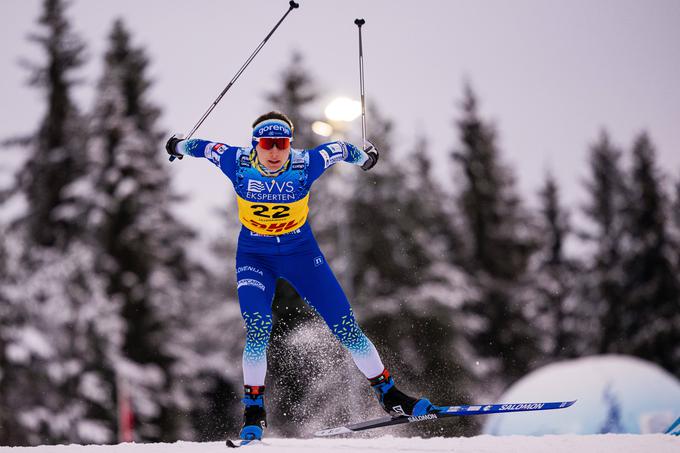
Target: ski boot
254 415
397 403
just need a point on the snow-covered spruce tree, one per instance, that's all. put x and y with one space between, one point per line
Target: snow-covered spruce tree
675 237
651 315
675 225
603 291
294 97
556 305
62 348
383 223
442 221
164 296
408 295
60 333
56 149
11 430
500 242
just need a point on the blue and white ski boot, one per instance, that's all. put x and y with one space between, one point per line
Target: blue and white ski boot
397 403
254 415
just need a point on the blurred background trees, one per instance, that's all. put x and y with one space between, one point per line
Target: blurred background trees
463 290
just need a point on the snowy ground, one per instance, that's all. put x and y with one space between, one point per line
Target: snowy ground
614 443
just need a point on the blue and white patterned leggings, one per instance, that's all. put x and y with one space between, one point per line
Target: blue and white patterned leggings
306 269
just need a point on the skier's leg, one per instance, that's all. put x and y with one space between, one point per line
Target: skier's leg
255 285
314 280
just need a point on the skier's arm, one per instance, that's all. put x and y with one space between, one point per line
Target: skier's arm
224 156
328 154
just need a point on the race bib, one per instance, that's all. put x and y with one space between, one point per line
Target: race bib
272 219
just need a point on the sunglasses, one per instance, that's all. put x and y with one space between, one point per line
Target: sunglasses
269 142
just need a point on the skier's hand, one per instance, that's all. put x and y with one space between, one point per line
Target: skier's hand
373 155
171 146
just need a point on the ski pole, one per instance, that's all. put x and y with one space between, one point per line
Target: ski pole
292 6
359 23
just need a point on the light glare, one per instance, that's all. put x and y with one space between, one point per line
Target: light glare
343 109
322 128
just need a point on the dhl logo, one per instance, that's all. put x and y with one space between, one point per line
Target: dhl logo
274 227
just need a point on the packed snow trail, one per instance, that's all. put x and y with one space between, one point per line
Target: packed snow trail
606 443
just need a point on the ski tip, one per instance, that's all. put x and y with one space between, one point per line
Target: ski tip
674 429
332 431
242 443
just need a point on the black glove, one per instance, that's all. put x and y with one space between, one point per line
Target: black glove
373 155
171 147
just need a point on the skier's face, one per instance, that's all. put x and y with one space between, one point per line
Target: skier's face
274 158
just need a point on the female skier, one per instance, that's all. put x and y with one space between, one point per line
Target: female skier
272 183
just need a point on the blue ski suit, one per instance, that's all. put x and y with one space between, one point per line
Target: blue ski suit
276 241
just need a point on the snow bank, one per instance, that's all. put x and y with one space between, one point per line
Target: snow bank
614 443
616 394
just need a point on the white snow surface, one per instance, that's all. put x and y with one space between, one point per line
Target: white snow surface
604 443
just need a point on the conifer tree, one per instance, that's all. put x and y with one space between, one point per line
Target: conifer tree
141 244
603 287
675 223
383 220
64 334
408 293
11 430
64 346
294 98
56 149
444 241
651 283
500 238
556 275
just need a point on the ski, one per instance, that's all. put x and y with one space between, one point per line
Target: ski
674 429
242 443
443 412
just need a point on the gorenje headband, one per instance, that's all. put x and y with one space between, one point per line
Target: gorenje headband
272 128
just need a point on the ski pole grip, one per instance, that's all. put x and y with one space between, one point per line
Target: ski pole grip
293 5
359 22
